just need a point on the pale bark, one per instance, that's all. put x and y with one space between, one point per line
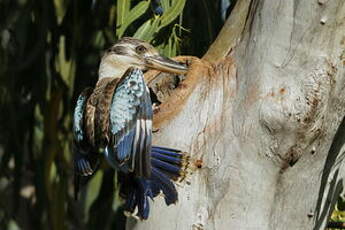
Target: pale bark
265 118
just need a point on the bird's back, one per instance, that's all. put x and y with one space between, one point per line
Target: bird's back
97 112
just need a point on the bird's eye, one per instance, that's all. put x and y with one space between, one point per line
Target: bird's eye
140 49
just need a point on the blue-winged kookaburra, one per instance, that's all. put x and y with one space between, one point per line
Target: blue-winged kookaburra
115 120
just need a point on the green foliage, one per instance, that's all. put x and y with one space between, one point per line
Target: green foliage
147 30
150 29
338 214
126 16
172 10
49 52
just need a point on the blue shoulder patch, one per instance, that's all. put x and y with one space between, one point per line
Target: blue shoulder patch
126 99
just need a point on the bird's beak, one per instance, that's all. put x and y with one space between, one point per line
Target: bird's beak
165 64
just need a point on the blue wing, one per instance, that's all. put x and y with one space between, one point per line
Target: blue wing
131 125
85 161
78 118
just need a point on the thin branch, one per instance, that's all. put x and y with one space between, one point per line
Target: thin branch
230 33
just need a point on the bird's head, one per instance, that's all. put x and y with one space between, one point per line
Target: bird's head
131 52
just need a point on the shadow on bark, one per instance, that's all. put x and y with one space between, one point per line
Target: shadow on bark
333 163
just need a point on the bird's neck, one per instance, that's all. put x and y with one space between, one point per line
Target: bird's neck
107 69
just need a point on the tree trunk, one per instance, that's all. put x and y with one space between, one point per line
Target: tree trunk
262 115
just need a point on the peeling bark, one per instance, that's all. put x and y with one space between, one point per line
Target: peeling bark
263 120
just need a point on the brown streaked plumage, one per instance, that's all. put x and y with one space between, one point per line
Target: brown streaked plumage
102 113
91 106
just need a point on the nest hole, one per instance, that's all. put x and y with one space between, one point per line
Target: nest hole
163 85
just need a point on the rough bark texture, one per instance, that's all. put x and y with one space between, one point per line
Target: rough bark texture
264 120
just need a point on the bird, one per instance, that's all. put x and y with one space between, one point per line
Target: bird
114 120
157 7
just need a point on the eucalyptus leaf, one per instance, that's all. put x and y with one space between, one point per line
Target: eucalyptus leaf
171 13
165 4
147 30
122 10
132 15
93 191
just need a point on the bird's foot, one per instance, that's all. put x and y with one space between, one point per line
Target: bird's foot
155 108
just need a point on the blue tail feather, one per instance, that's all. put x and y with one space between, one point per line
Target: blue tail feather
167 165
156 189
163 157
156 163
131 201
144 192
167 187
166 151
